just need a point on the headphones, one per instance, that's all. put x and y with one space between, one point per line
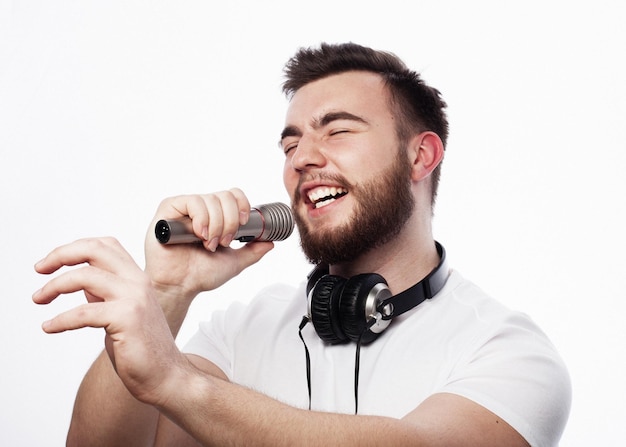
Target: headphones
361 307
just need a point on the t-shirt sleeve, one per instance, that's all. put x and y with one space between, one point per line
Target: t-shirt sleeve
516 373
215 338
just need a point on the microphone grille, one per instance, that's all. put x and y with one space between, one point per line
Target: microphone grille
279 221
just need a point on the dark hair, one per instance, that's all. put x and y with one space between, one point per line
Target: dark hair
418 106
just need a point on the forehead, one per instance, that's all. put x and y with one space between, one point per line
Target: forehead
359 92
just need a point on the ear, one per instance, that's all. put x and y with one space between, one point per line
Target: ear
426 152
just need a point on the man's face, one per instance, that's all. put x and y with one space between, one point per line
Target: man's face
348 177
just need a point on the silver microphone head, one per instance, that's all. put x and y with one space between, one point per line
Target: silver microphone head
268 222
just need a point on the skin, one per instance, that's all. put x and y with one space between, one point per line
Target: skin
143 391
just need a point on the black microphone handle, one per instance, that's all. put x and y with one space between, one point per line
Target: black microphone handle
269 222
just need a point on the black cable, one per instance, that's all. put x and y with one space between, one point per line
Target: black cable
357 363
357 367
304 322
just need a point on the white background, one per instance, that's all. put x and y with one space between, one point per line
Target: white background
108 107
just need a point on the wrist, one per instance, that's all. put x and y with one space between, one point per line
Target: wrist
174 302
184 394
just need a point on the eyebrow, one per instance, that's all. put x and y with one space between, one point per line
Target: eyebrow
294 131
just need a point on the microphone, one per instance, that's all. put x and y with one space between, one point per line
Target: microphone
269 222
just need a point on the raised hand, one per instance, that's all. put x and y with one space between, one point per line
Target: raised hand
120 299
191 268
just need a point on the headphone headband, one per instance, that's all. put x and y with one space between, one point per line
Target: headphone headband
413 296
362 307
424 289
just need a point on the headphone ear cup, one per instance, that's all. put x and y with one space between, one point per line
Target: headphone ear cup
352 306
324 308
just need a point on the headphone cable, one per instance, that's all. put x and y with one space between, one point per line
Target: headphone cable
357 360
304 322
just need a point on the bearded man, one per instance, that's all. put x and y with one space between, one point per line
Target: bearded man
401 349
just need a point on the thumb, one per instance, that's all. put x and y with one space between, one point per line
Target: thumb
251 253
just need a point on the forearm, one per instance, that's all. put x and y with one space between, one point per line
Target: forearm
220 413
106 414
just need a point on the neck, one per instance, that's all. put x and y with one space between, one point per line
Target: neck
403 261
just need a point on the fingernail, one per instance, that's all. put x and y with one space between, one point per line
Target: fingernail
243 218
213 244
205 233
226 240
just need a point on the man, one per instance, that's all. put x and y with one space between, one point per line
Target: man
363 140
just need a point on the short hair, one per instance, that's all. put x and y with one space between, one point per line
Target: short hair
418 106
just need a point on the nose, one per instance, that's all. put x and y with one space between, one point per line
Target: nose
308 154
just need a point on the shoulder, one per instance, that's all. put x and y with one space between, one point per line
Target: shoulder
469 309
506 363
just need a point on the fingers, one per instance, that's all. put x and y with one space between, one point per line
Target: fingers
98 284
109 268
98 252
85 315
215 217
110 280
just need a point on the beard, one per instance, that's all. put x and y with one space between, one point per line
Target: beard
383 206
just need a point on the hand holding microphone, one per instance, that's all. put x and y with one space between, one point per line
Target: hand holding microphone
205 223
269 222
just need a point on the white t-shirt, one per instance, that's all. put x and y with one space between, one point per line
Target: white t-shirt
461 341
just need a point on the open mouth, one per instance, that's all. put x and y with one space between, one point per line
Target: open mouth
325 195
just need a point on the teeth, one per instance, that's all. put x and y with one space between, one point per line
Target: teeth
325 195
324 203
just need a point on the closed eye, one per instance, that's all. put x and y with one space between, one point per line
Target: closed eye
288 147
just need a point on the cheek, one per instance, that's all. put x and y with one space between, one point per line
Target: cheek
290 178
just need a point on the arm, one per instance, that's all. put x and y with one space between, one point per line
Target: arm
125 300
220 413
